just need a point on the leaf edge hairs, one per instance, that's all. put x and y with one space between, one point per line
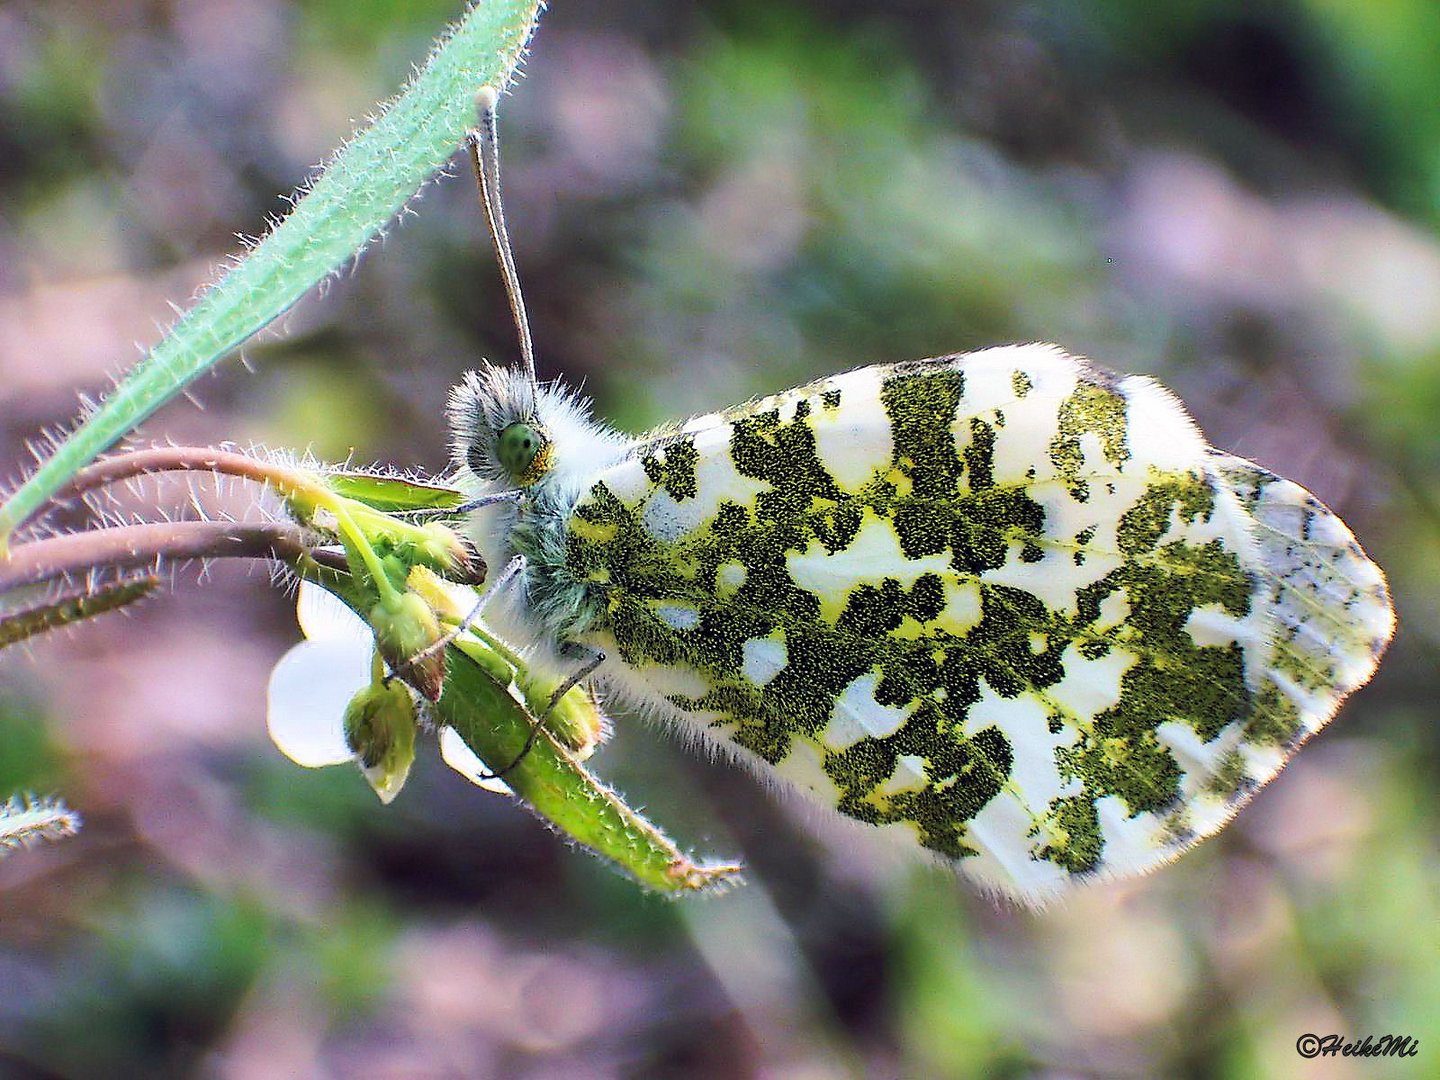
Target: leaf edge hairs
1005 602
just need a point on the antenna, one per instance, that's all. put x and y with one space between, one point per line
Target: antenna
483 142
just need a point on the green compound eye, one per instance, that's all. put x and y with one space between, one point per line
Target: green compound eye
518 449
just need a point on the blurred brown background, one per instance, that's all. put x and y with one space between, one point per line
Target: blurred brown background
710 201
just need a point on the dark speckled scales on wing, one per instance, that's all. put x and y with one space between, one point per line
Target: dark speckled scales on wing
1003 601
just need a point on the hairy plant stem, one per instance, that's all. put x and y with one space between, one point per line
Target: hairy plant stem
72 605
162 459
123 547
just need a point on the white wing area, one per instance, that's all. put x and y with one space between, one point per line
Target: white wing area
1331 604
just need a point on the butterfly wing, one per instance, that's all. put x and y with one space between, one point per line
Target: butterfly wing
1005 602
1332 612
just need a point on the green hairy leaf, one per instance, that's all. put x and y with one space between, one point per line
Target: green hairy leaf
363 186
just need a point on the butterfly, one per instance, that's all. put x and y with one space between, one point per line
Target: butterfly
1006 603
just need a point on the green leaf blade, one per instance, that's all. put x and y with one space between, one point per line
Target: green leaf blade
393 494
562 791
358 193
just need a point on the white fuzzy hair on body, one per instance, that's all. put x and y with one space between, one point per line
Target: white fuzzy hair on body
544 610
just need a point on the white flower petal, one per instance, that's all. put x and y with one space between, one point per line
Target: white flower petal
463 760
309 689
323 616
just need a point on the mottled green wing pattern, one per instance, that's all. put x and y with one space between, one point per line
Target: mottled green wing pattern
1006 603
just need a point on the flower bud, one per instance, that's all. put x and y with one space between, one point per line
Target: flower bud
451 603
405 632
380 730
442 549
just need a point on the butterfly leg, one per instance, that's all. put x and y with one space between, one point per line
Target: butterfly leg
488 500
594 661
509 574
464 508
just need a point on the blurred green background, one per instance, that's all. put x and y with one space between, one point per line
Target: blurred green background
710 201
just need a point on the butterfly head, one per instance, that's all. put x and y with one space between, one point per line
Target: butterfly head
508 432
498 430
537 441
